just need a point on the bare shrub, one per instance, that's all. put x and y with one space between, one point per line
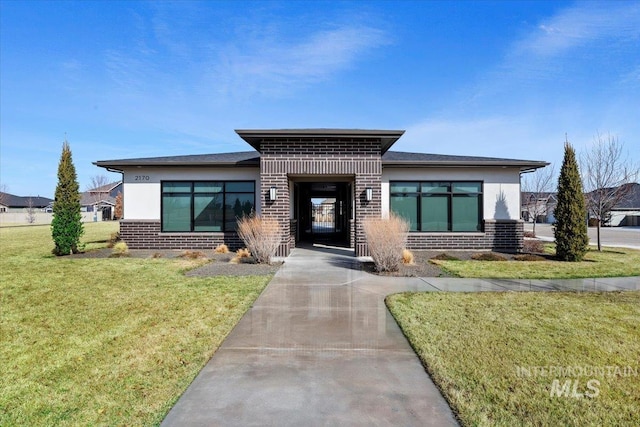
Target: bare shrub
261 235
386 238
533 246
120 249
193 255
407 257
113 239
221 249
529 234
488 256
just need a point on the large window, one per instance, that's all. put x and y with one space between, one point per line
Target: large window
438 205
205 205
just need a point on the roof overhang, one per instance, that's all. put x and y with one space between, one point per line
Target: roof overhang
255 137
523 165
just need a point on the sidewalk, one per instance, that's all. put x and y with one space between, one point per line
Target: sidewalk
320 348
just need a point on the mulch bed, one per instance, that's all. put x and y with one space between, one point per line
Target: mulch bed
217 265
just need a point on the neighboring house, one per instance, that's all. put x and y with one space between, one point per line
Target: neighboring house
627 211
451 202
541 204
101 200
12 203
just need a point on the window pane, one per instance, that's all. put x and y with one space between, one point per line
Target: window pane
404 187
406 207
207 187
435 187
176 212
466 213
207 212
240 187
435 213
237 205
466 187
176 187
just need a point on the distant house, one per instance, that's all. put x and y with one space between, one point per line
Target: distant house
540 204
627 211
13 203
101 200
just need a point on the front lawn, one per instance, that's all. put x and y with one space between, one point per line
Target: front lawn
611 262
104 341
518 358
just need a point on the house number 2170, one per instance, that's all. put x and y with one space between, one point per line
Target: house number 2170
141 178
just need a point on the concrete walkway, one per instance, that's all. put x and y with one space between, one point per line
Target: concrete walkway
320 348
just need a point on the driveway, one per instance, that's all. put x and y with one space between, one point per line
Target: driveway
621 237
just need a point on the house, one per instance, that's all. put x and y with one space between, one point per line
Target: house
101 199
540 205
625 212
451 202
12 203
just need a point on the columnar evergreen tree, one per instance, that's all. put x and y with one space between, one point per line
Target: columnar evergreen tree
66 227
570 228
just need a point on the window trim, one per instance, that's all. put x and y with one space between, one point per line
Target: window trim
450 196
192 195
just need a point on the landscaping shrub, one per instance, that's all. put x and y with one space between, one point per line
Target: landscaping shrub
407 257
529 257
488 256
261 235
533 246
445 257
193 255
386 238
243 253
221 249
242 256
113 239
529 234
120 249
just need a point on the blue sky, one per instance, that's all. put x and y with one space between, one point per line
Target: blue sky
137 79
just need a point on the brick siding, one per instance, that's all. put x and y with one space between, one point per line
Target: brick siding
140 234
498 235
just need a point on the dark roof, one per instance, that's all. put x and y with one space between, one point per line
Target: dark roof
243 158
14 201
254 137
402 159
105 188
632 200
390 158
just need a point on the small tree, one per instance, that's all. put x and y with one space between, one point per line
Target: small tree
536 187
30 211
66 226
261 235
607 175
386 239
570 228
96 191
119 206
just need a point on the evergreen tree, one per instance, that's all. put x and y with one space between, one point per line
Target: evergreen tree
570 228
66 227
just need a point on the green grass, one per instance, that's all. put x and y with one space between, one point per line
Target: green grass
473 345
611 262
104 341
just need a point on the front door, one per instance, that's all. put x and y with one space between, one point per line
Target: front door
323 210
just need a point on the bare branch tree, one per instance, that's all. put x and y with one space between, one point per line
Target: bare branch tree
536 189
606 172
3 193
96 190
31 211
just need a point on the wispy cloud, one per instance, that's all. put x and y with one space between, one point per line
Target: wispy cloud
276 66
580 25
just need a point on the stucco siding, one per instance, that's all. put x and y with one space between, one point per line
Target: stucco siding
142 186
501 186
